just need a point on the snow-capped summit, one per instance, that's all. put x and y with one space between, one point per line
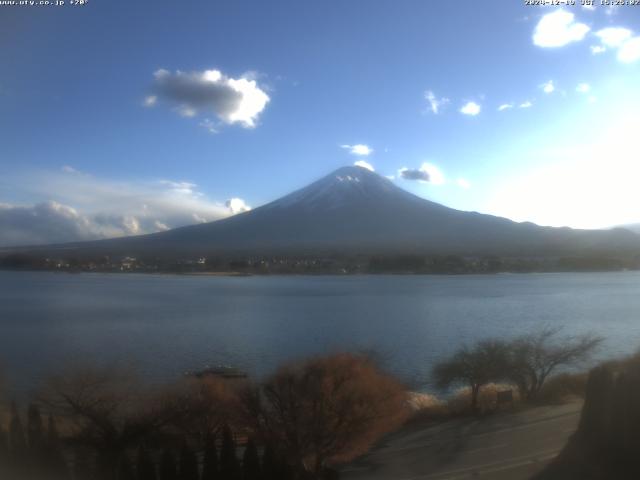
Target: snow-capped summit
343 188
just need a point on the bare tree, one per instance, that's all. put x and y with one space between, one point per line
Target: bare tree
533 357
325 410
486 362
208 404
109 411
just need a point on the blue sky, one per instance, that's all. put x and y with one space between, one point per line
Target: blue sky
128 117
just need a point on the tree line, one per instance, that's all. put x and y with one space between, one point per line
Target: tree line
104 424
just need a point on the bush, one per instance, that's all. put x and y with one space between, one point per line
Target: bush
425 407
563 388
460 402
326 410
419 402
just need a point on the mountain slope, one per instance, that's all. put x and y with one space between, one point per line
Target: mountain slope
354 210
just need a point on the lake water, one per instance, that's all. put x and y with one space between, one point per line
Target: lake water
165 325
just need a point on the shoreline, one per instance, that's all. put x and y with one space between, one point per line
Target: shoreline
315 274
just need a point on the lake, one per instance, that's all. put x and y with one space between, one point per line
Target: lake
166 325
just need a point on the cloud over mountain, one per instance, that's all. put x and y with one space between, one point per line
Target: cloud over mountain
359 149
364 164
72 206
427 172
237 205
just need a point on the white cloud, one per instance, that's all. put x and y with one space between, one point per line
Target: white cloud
597 49
583 88
435 174
463 183
232 100
526 104
548 87
359 149
558 29
46 222
363 164
435 103
181 188
505 106
185 111
237 205
160 227
150 100
426 173
208 125
629 52
72 206
470 108
253 101
614 36
619 38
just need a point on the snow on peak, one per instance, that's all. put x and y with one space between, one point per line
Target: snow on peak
340 188
348 178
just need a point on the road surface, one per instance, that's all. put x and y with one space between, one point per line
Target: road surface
505 446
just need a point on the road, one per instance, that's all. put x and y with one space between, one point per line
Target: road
505 446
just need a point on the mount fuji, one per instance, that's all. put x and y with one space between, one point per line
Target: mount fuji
356 211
